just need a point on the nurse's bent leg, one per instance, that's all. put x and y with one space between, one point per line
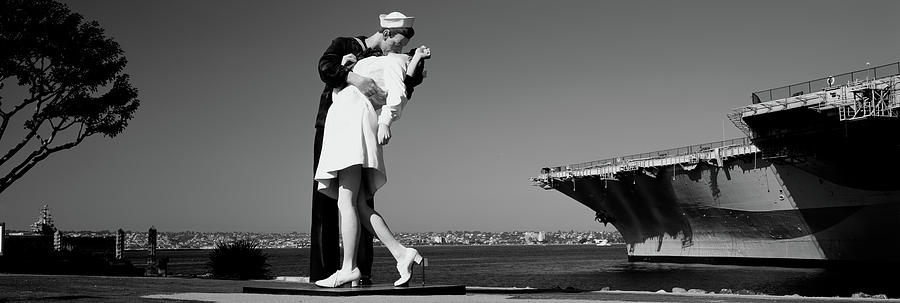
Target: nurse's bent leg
374 222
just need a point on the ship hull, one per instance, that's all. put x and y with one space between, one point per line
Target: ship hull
815 183
749 211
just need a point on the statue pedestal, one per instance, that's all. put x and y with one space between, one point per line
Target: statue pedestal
373 290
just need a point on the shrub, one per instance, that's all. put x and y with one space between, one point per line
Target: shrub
239 259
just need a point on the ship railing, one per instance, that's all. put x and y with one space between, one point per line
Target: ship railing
832 97
872 100
611 166
826 83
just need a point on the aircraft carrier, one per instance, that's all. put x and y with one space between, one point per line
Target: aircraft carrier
816 181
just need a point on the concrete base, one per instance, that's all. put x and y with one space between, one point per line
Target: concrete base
292 279
373 290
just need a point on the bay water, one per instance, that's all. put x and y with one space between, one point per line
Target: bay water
584 267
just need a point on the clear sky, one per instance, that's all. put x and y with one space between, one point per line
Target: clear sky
229 92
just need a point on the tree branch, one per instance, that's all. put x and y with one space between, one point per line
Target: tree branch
66 146
17 172
51 96
57 95
31 134
2 84
18 147
3 124
53 125
35 97
55 129
37 156
67 125
39 93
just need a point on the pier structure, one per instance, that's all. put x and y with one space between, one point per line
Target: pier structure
120 244
151 252
57 240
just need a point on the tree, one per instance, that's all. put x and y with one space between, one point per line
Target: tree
239 259
69 82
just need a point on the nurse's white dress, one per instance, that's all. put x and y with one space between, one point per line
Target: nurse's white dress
351 126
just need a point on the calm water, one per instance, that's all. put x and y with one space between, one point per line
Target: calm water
580 266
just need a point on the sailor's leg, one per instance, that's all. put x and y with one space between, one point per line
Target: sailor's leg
324 231
365 252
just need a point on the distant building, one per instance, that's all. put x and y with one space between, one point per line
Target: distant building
57 240
44 224
534 237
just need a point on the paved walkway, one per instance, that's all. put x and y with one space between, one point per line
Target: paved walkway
604 296
241 298
94 289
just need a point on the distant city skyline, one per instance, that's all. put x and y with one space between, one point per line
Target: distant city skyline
229 89
136 240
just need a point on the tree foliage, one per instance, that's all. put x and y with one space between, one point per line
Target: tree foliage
69 82
239 259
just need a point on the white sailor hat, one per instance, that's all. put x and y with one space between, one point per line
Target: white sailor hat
396 20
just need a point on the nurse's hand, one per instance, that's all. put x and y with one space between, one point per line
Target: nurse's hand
423 52
384 134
